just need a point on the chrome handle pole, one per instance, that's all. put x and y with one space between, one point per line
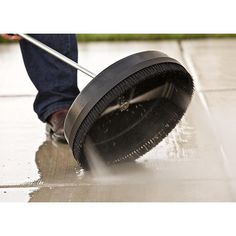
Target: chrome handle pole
57 54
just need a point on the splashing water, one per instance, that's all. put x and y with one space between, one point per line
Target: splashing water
97 166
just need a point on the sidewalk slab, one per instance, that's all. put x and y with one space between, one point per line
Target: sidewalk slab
214 62
214 66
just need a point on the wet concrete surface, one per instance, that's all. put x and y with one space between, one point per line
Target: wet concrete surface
194 163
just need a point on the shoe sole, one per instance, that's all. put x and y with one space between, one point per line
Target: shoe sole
53 136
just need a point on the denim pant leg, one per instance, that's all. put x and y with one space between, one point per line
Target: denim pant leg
55 81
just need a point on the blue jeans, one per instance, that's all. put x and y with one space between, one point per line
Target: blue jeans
55 81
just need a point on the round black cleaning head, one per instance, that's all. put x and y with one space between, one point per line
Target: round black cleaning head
129 107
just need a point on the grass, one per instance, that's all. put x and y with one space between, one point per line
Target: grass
136 37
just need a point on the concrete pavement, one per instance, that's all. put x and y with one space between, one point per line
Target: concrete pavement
194 163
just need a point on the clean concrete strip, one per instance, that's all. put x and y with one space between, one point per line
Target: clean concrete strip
200 94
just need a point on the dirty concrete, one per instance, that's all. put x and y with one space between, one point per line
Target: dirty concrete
194 163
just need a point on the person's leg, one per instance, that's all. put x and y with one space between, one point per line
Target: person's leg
55 81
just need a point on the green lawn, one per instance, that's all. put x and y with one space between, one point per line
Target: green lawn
126 37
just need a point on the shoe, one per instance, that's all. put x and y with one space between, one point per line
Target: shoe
55 125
